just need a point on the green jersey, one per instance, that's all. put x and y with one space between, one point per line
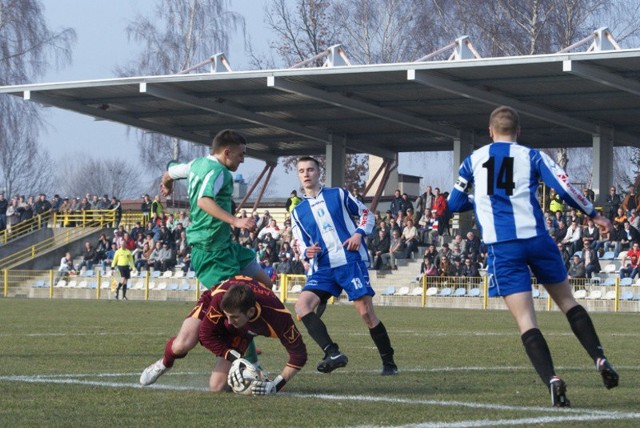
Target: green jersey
209 178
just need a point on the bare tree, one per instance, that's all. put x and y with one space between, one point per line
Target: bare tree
28 47
99 176
177 36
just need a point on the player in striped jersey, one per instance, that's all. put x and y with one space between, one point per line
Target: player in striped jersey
335 249
503 178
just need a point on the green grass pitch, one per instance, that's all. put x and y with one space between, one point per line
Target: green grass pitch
77 362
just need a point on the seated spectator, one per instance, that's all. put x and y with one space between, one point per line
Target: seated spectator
141 259
621 216
286 234
456 251
590 233
269 242
457 267
155 258
431 253
445 251
470 268
427 268
269 255
284 265
634 219
630 270
564 253
410 239
591 260
108 257
285 250
472 246
88 257
616 236
271 228
630 235
379 246
577 268
573 238
425 227
444 267
167 258
602 242
269 270
561 231
550 227
66 267
396 250
184 219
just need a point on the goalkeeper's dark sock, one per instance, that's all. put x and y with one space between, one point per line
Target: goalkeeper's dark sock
317 330
383 343
169 357
251 355
538 351
583 328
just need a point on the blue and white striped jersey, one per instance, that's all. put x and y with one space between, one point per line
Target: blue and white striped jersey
327 221
505 178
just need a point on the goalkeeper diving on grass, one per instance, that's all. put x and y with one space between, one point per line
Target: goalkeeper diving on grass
232 315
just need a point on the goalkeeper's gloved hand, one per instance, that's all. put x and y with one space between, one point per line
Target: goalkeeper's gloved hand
267 387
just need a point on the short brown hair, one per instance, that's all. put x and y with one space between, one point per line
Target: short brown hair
505 120
239 297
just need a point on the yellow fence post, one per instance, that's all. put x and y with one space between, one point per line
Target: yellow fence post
51 273
283 281
616 302
485 293
146 286
284 287
197 289
99 278
424 291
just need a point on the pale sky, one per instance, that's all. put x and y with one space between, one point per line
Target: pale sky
102 45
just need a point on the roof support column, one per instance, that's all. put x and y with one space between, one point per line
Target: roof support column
336 155
602 172
462 147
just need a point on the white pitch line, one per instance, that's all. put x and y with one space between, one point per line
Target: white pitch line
577 413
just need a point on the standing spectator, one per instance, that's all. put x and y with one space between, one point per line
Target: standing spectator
338 262
397 204
292 201
55 203
145 207
612 203
424 202
123 260
631 200
103 203
439 209
472 246
117 208
555 203
406 203
42 206
504 178
4 205
157 209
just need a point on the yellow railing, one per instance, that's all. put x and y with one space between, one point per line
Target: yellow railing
26 226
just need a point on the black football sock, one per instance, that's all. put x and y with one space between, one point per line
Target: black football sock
317 330
383 343
583 328
538 351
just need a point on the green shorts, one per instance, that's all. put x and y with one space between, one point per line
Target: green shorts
213 267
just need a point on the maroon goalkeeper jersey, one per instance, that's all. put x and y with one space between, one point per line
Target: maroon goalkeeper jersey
272 319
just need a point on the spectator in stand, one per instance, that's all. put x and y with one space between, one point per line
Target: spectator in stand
550 227
388 216
445 268
55 203
631 200
432 253
630 270
556 205
456 252
42 206
155 258
439 208
378 246
265 220
145 207
397 204
472 246
89 256
406 204
108 257
396 250
13 217
269 254
103 204
424 202
85 205
268 241
410 238
284 265
292 201
170 222
427 268
182 248
634 219
167 258
557 216
425 226
25 208
244 236
410 216
269 270
621 216
4 205
561 231
286 250
394 226
565 254
573 237
165 235
612 203
616 236
184 219
457 267
117 207
66 267
470 268
156 207
590 233
136 231
444 251
272 228
591 260
94 201
286 234
576 268
102 246
589 194
630 235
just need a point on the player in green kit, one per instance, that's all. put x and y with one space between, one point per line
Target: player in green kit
214 256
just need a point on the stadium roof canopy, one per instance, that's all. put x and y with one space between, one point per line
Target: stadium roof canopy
564 100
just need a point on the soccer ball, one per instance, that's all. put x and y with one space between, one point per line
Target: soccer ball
249 373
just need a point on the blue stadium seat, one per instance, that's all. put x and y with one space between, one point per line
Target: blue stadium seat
40 284
626 295
609 255
460 291
445 292
474 292
625 282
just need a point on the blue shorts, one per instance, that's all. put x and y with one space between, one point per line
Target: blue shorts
511 264
353 278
